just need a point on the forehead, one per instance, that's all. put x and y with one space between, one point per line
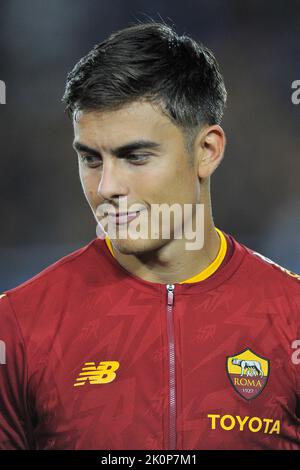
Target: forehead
134 121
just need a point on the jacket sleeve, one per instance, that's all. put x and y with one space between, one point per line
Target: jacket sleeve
14 418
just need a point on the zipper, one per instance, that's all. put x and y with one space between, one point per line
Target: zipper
172 370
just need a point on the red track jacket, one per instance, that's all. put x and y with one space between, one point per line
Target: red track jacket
92 357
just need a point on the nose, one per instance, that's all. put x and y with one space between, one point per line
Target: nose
112 183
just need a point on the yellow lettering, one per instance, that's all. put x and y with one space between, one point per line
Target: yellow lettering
267 421
213 420
259 421
276 427
248 382
230 426
103 374
242 422
255 424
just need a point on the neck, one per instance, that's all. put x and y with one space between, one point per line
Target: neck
173 263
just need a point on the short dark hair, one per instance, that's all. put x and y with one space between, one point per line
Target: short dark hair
149 61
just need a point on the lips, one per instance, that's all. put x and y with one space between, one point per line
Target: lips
122 217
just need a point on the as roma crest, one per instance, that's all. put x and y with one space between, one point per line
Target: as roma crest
248 373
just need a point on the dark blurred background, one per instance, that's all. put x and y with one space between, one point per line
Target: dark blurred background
256 190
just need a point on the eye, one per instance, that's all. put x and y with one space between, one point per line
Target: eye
91 161
137 158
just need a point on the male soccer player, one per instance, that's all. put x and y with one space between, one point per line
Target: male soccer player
146 342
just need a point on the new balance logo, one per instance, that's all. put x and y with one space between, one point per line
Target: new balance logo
103 374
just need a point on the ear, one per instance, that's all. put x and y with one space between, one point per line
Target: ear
209 147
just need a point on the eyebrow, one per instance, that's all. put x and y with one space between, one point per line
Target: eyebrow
118 151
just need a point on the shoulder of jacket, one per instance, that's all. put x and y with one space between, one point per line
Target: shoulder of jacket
274 270
62 268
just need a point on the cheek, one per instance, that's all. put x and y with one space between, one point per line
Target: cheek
167 182
178 183
90 183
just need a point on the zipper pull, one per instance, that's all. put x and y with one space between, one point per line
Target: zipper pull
170 293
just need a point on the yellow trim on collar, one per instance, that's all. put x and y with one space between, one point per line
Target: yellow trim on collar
108 243
207 271
214 265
